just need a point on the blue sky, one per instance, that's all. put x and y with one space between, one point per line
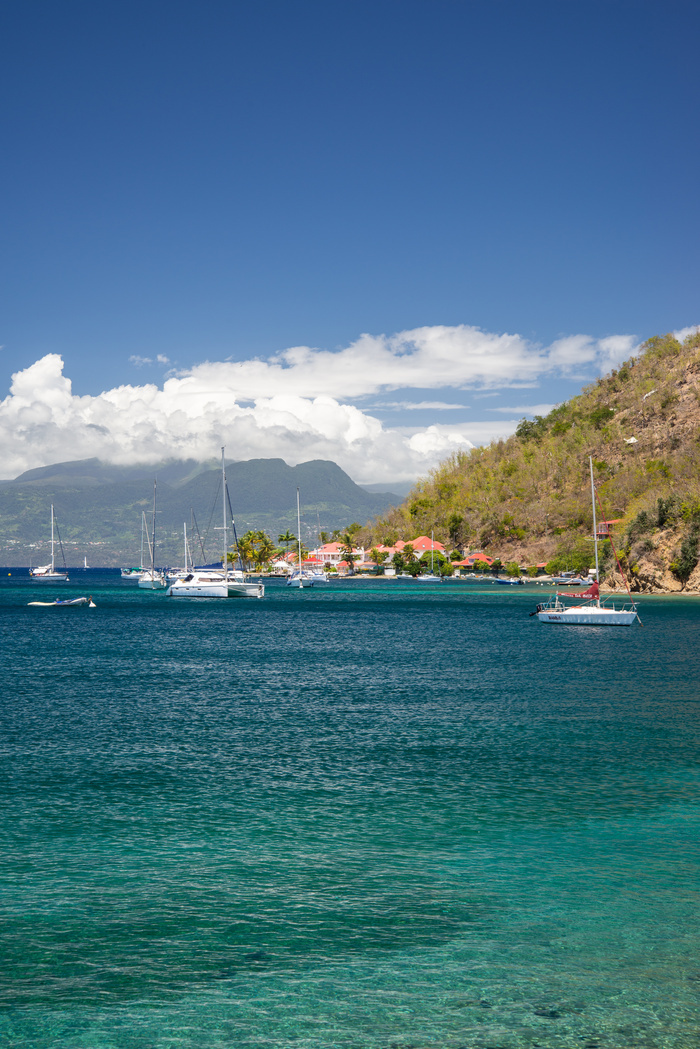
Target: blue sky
222 182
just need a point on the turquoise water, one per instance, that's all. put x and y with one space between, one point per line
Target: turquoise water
367 815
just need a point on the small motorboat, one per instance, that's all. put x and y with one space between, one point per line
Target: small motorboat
64 604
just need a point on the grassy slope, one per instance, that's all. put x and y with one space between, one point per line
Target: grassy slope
528 498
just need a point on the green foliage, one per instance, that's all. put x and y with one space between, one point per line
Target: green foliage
687 557
346 551
254 548
690 510
531 429
287 538
377 557
661 347
456 528
641 524
513 569
600 416
532 571
436 558
576 554
482 566
666 510
419 506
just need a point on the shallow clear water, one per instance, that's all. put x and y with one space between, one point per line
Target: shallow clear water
364 815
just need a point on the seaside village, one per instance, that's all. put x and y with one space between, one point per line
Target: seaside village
419 556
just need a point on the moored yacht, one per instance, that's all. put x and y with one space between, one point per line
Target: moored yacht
48 573
152 578
591 612
216 582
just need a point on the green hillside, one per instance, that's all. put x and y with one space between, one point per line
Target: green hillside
527 498
99 506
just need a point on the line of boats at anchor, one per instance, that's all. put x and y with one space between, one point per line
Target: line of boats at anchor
209 580
217 582
191 581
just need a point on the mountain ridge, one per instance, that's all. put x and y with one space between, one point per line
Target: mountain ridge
100 504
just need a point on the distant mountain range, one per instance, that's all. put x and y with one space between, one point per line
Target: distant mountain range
99 505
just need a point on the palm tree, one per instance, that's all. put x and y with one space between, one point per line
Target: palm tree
264 548
287 538
378 557
347 553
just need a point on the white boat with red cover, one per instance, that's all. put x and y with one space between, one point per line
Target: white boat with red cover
591 611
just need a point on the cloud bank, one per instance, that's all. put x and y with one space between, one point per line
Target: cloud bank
294 405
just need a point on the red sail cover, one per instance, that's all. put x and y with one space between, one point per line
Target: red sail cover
592 592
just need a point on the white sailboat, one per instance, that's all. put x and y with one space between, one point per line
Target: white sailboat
297 578
213 582
591 612
173 574
151 579
48 573
430 577
136 573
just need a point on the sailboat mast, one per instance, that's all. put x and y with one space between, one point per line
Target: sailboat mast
153 535
301 581
223 501
52 561
595 523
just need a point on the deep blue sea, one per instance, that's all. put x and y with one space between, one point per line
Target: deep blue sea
371 815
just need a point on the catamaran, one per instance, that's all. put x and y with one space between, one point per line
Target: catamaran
48 573
217 582
591 612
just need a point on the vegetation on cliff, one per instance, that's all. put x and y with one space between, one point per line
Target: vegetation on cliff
527 498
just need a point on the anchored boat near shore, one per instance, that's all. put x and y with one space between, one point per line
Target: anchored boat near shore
592 612
215 582
48 573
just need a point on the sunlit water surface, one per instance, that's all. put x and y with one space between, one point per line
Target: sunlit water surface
366 815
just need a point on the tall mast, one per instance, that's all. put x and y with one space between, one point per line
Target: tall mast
223 486
595 524
301 581
52 563
153 536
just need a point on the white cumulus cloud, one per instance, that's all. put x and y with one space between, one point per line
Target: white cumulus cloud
295 405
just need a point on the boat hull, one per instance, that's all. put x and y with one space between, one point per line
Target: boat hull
589 616
246 590
202 585
150 582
